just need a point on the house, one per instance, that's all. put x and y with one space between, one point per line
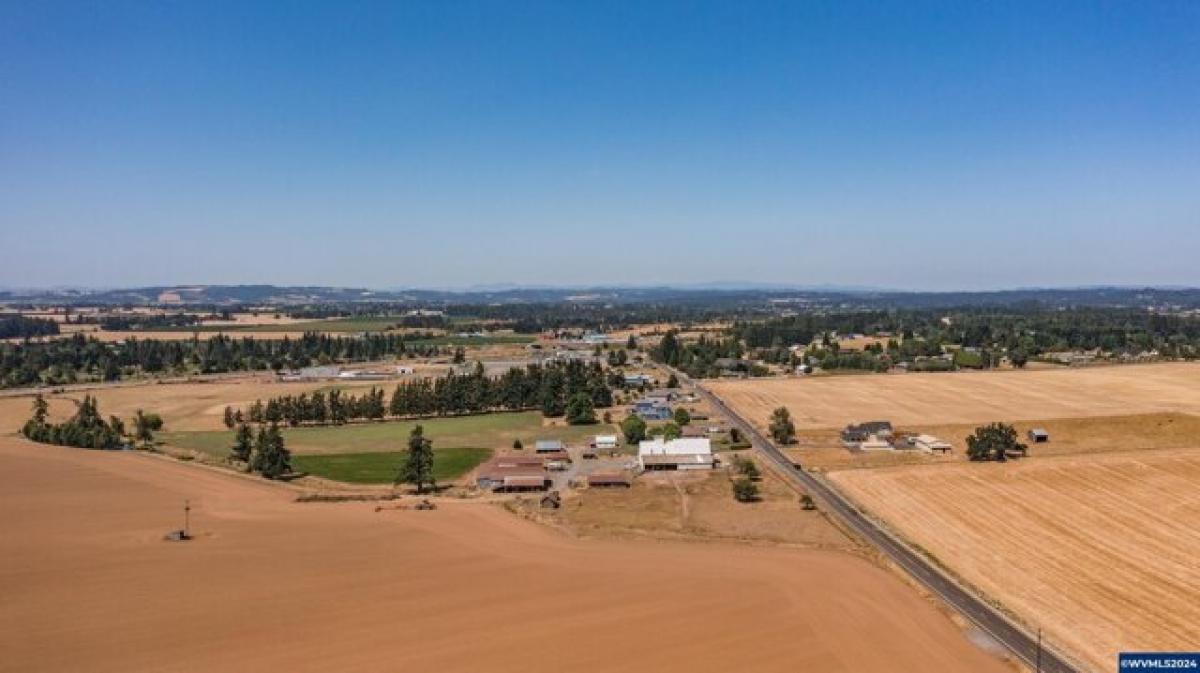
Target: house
861 432
685 453
652 410
609 480
929 444
638 380
1038 435
549 446
662 395
595 339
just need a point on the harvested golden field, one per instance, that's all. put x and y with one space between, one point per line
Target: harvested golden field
822 449
1099 550
183 406
969 397
269 584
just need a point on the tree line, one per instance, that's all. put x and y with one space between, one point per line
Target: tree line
81 358
572 389
21 327
87 428
696 358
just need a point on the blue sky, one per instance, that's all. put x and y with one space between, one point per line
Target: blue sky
911 145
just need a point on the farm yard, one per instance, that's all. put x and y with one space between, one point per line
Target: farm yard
1098 550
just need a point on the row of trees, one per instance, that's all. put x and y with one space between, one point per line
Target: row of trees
264 452
569 389
82 358
87 428
20 327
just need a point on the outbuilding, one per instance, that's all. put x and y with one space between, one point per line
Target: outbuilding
929 444
549 446
1039 435
685 453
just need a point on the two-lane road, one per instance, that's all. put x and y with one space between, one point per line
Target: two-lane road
1019 642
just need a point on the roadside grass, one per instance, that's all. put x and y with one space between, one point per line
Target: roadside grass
494 431
381 467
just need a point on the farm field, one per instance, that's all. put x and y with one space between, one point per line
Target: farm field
350 588
962 397
491 431
381 468
822 449
183 406
1099 550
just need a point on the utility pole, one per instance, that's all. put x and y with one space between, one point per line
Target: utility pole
187 508
1039 651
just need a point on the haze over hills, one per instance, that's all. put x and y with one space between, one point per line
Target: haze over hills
723 293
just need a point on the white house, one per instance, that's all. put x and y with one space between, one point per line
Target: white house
685 453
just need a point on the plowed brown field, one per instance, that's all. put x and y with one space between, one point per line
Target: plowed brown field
87 584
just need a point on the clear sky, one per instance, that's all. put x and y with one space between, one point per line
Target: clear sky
395 144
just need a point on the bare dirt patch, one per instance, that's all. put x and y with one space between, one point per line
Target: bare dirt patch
699 505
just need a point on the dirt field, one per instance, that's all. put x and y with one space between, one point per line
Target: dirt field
1099 550
700 504
962 397
273 585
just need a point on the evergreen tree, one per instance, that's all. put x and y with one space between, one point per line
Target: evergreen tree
278 460
418 464
142 429
580 411
243 444
682 417
230 421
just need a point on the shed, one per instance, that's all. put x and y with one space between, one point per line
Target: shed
549 446
1039 435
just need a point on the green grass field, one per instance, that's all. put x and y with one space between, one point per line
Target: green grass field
494 431
381 467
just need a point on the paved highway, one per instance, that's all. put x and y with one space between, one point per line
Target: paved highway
1020 643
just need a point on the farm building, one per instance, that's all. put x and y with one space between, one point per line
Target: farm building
605 443
689 453
549 446
694 431
1039 435
516 483
662 395
492 474
609 480
929 444
652 410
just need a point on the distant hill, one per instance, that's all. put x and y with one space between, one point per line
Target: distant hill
234 295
